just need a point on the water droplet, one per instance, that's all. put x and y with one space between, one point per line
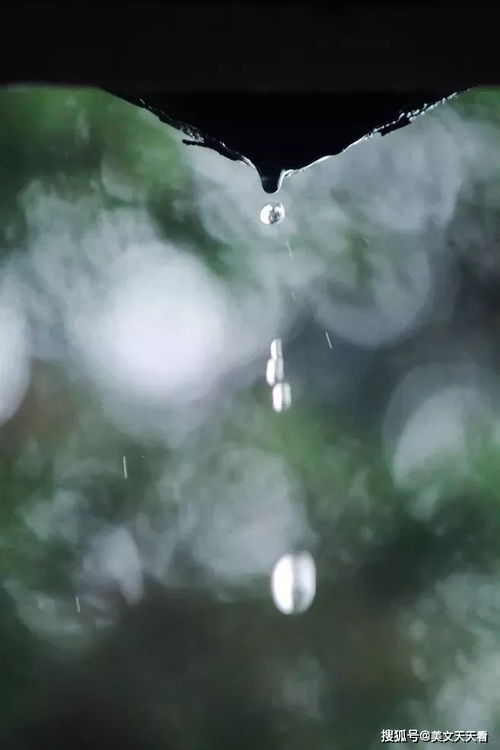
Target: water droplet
275 371
276 349
293 583
282 396
272 213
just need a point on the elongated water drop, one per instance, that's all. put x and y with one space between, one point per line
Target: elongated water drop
275 370
272 213
282 396
293 583
276 349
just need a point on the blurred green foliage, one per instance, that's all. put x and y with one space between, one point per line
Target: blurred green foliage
193 665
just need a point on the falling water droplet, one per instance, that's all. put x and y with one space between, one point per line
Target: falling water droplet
276 349
275 370
282 396
272 213
293 583
328 339
125 471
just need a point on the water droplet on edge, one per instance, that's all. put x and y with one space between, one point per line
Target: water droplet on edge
282 396
293 583
271 178
272 213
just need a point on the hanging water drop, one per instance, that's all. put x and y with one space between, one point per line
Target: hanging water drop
293 583
281 396
272 213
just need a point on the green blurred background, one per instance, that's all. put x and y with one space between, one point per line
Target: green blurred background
147 486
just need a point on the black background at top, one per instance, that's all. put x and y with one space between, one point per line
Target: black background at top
281 83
